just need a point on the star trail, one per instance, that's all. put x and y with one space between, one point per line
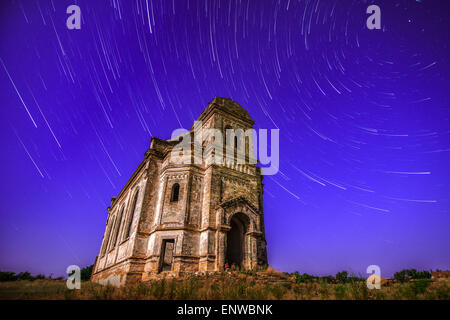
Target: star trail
363 117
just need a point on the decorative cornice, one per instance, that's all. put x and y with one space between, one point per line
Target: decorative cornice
236 180
236 201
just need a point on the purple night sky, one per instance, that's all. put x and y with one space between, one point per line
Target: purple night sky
363 116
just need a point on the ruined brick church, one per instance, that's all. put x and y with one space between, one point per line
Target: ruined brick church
194 216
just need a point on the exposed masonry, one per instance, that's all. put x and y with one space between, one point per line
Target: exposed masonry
180 218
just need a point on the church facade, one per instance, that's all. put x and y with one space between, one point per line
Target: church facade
194 215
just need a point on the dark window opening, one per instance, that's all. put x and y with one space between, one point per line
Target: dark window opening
167 248
175 192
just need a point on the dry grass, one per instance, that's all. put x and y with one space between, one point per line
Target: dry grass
225 287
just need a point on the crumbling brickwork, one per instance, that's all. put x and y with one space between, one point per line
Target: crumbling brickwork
175 217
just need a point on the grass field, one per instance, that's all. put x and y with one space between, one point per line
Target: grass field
226 286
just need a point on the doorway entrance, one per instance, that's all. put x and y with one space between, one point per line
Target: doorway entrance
236 240
166 255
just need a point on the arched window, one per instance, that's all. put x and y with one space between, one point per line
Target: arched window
118 225
228 142
247 146
235 147
105 239
132 212
108 235
175 192
228 135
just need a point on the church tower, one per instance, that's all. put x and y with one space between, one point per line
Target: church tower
192 205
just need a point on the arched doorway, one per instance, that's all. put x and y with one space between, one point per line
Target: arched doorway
236 240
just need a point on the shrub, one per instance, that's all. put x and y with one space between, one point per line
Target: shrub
25 276
11 276
342 276
7 276
301 278
407 274
327 279
86 273
401 276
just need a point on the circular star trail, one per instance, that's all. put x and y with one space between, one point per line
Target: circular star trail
363 118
